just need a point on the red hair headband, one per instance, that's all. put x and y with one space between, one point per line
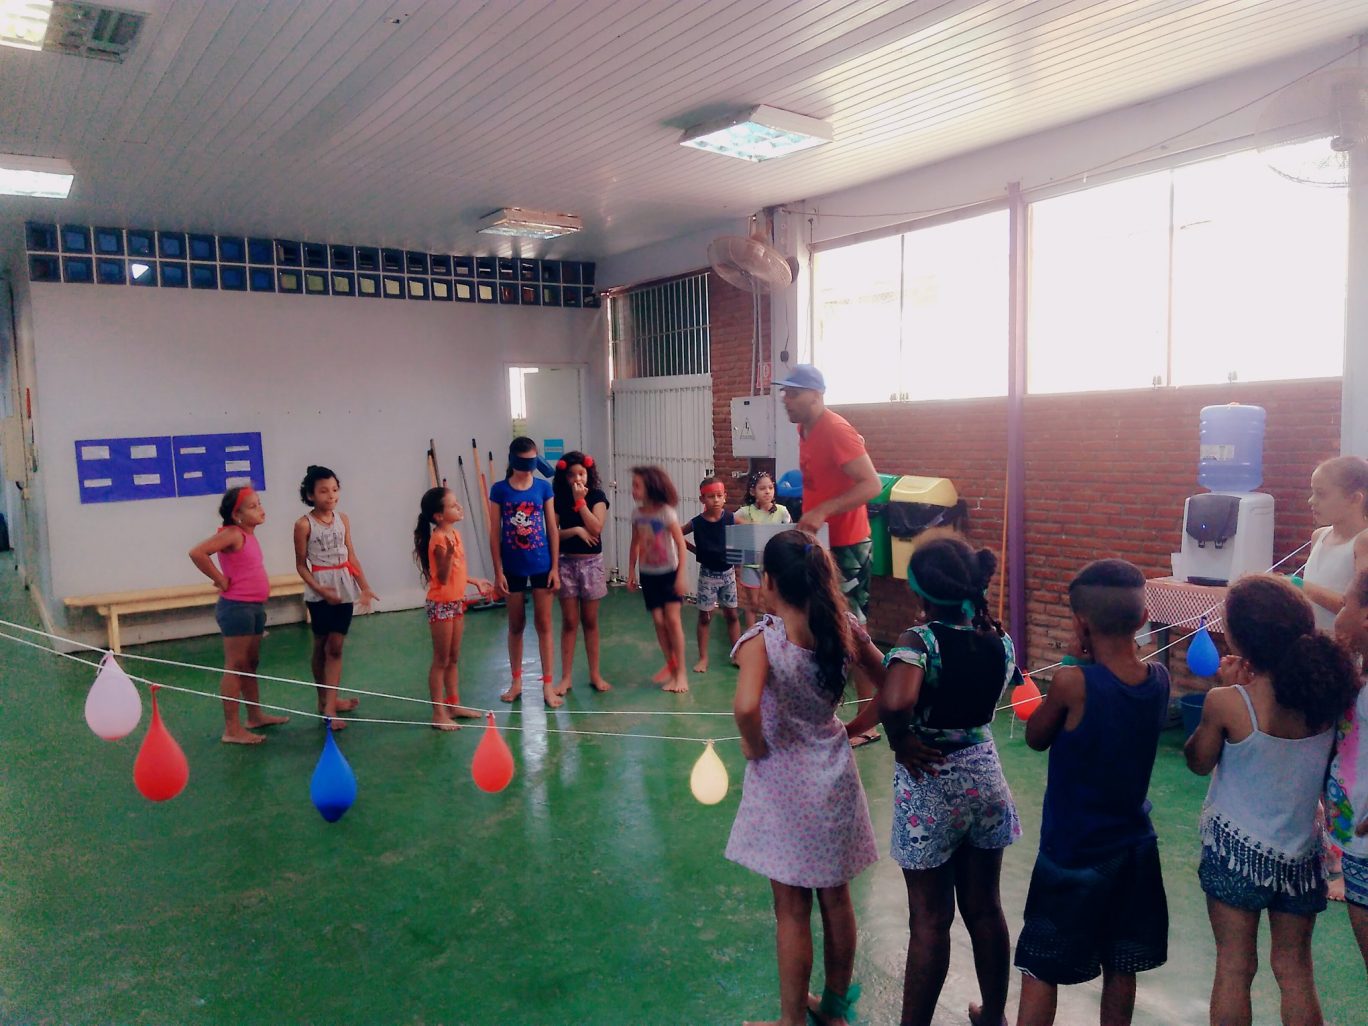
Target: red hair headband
562 465
716 488
243 493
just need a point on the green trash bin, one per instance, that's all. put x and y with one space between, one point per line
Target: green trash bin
881 554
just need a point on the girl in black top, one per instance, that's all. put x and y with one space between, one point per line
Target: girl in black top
582 513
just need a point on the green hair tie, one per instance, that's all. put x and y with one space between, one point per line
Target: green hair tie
966 605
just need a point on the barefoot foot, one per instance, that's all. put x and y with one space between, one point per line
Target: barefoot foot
513 693
241 737
678 683
662 675
444 723
335 724
347 704
262 720
976 1016
564 686
599 684
701 666
550 697
454 708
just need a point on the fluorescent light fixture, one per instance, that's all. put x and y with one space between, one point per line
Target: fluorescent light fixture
529 224
758 133
139 270
35 176
24 23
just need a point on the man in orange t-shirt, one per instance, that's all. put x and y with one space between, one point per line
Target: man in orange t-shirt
838 480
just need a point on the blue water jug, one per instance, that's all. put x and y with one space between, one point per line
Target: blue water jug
1231 452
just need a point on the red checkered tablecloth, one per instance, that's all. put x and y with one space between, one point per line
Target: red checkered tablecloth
1172 601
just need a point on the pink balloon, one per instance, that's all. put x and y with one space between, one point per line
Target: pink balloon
113 706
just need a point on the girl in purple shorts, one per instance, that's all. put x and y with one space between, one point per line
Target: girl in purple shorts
581 513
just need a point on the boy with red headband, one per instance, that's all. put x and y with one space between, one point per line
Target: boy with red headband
716 577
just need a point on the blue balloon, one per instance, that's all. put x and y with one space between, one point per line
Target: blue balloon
333 788
1202 657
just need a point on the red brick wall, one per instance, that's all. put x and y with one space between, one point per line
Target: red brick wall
730 317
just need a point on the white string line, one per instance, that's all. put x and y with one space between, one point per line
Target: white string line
349 719
340 687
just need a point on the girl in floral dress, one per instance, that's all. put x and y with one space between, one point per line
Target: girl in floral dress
803 820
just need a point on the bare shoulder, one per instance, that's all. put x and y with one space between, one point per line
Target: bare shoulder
1068 683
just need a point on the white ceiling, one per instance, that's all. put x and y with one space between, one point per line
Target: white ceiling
371 121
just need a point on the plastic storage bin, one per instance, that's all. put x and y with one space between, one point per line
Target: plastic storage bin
915 504
881 554
1230 457
788 492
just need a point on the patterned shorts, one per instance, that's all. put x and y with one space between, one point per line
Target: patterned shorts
1356 880
1233 888
439 611
968 801
583 577
852 562
716 589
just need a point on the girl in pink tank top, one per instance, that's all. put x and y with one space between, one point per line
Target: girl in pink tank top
243 586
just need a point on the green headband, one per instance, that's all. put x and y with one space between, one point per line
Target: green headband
966 605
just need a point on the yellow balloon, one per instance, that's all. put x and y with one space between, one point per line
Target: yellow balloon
709 778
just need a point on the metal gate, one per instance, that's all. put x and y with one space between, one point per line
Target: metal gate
662 420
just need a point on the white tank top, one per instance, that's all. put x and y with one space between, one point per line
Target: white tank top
1331 565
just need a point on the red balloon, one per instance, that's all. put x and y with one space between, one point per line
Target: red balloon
160 770
1025 698
492 766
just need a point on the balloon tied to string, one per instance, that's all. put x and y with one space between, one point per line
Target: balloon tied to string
492 766
1026 698
708 781
160 771
1202 658
333 787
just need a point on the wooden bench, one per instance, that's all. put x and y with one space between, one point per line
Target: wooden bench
115 604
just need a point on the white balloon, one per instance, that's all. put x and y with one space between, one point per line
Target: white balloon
113 707
708 781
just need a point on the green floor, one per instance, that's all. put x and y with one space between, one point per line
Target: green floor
593 890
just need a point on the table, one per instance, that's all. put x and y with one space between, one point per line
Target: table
1176 602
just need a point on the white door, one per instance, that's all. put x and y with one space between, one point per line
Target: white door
666 421
554 420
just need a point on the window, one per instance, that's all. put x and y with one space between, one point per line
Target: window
921 315
661 330
1221 270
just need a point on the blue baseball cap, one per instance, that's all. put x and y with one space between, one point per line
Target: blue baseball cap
803 375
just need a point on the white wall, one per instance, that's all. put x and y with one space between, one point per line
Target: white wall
358 385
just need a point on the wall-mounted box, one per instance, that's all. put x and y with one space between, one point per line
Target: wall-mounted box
752 426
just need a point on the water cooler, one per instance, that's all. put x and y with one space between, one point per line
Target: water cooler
1228 530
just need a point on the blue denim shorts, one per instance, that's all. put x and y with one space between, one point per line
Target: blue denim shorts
240 619
1233 888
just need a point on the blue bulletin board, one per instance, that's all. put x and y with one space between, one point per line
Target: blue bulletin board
211 464
123 469
164 467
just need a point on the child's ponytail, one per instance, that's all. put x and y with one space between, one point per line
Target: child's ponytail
428 508
1274 629
805 577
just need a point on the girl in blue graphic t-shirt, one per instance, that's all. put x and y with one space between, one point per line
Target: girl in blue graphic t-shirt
525 555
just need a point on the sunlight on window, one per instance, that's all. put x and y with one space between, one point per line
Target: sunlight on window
1254 288
917 316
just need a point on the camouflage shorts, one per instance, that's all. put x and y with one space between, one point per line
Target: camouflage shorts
852 563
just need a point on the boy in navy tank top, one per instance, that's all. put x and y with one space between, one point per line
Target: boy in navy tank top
1096 903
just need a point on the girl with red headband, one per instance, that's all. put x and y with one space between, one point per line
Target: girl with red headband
243 586
581 514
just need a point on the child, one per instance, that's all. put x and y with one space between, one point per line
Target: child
440 555
716 578
581 516
1096 901
1339 500
803 821
1346 785
657 542
525 555
951 823
240 611
333 583
1267 732
760 508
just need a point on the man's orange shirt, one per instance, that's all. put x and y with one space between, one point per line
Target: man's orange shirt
823 450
